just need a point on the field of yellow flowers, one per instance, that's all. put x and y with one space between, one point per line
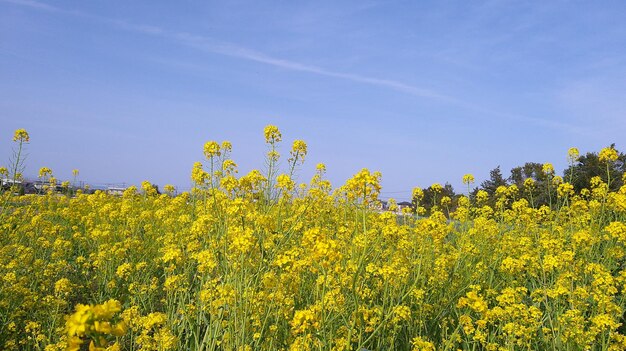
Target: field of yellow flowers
259 262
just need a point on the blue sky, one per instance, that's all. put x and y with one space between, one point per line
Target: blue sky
423 91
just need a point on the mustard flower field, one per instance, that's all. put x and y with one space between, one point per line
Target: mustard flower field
260 262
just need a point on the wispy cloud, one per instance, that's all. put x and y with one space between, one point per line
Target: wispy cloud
210 45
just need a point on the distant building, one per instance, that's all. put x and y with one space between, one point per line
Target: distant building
404 204
23 187
383 205
115 191
7 183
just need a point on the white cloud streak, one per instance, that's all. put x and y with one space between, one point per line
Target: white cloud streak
206 44
209 45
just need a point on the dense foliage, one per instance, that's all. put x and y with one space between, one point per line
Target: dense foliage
536 182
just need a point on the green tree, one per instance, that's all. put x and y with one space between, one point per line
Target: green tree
496 179
433 195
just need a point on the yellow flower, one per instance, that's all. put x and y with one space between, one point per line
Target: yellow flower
130 192
148 188
418 193
446 201
468 179
229 167
420 344
304 320
119 329
482 196
173 283
63 287
21 135
548 168
198 174
272 134
529 183
106 310
364 186
44 172
284 182
436 187
573 154
473 301
226 146
298 150
608 154
124 270
77 324
211 149
401 313
273 155
565 189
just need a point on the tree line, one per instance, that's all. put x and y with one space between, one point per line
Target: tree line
535 182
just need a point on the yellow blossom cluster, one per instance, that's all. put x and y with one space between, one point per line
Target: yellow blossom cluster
94 322
21 135
262 262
